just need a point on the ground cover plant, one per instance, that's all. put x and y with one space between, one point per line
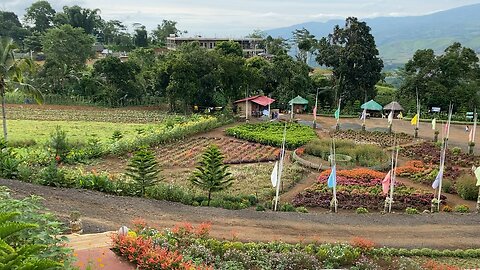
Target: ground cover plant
186 153
363 155
271 133
429 152
191 246
86 114
361 188
382 139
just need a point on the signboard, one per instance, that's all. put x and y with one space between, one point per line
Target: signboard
469 115
435 109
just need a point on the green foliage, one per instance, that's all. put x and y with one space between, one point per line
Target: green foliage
229 48
452 77
211 174
54 177
466 187
8 161
59 143
301 209
46 232
353 55
260 208
41 15
287 207
462 208
411 211
361 210
456 151
272 134
143 169
447 186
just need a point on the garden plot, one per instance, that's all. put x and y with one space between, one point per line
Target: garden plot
187 153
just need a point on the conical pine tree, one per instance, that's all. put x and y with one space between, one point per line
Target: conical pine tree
143 169
211 174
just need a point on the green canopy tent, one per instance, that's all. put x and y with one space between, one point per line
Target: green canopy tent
372 108
371 105
299 104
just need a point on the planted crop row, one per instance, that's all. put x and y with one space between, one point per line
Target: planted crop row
376 137
271 133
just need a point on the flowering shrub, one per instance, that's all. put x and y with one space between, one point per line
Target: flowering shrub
362 243
359 173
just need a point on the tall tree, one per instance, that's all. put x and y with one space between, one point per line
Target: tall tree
353 55
163 31
111 30
143 169
211 174
452 77
10 26
11 77
78 17
141 36
305 42
40 14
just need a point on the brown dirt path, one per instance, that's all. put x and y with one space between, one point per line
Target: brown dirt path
103 212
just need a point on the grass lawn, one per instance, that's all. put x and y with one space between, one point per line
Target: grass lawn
77 131
248 179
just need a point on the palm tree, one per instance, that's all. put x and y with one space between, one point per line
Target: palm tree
11 76
211 174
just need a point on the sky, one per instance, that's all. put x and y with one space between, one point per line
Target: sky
237 18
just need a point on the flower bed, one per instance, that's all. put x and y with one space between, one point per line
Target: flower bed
360 188
430 153
189 247
418 171
378 138
186 153
271 133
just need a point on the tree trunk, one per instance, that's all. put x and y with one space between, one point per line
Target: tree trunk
4 114
209 196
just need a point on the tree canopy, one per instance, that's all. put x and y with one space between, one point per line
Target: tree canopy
353 55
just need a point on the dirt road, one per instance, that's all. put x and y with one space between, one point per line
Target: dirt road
103 212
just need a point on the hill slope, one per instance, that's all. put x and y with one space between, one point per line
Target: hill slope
399 37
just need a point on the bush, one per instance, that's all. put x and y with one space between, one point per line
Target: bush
447 209
301 209
411 211
466 187
8 162
361 210
456 151
447 186
59 143
54 177
287 208
462 208
260 208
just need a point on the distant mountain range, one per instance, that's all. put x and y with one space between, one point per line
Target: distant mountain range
398 38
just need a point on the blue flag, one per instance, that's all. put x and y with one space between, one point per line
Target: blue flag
332 179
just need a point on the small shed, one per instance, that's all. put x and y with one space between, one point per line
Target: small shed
255 106
393 106
299 104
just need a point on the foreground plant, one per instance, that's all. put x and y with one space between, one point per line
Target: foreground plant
211 174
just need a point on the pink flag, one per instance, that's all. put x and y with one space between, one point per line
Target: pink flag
470 136
386 182
314 111
445 131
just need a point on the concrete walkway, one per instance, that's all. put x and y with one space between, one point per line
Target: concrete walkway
93 252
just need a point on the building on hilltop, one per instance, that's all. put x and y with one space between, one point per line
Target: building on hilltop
250 46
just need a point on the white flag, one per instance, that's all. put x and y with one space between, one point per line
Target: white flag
390 117
274 176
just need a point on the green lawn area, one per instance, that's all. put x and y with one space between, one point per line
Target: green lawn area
77 131
248 179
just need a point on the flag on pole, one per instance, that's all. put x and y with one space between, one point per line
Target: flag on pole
477 175
445 129
386 182
314 111
439 177
337 114
364 115
400 115
390 117
414 120
434 123
274 176
332 179
470 136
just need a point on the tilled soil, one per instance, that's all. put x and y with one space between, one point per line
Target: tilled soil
103 212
